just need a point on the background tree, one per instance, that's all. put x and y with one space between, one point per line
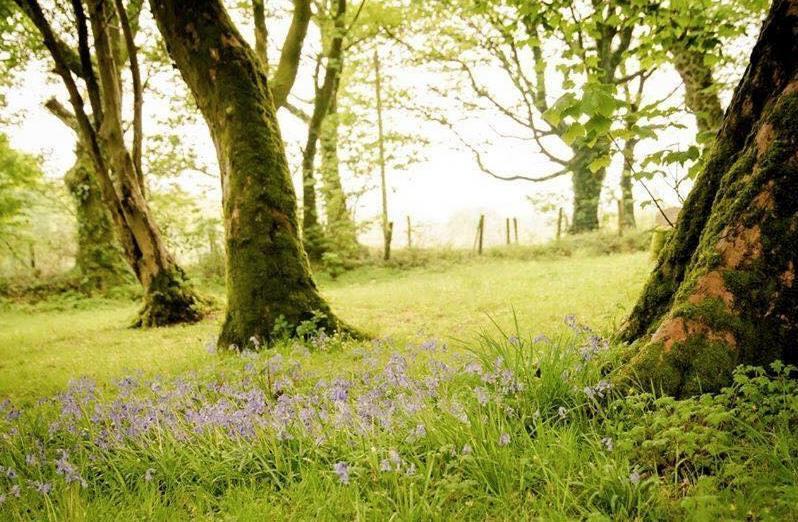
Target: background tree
722 292
268 277
99 262
168 297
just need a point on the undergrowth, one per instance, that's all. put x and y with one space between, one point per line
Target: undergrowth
513 428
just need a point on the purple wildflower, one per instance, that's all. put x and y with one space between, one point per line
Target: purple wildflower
634 477
504 439
43 487
148 474
15 491
482 395
607 443
342 470
467 449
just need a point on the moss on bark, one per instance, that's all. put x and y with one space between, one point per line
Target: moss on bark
587 189
168 300
268 277
99 262
723 291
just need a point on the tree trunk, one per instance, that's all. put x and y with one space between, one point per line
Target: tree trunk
99 260
701 93
587 191
168 298
268 277
342 232
627 196
723 291
312 233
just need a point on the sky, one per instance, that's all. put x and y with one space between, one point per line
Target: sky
443 194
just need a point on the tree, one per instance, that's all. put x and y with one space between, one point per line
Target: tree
99 262
168 297
594 39
268 277
723 292
325 94
19 175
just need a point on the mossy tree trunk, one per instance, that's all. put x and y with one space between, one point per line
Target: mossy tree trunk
168 297
99 260
723 290
701 91
312 233
341 228
587 189
268 277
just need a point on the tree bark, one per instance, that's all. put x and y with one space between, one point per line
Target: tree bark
587 190
627 182
268 277
723 291
168 298
312 233
701 93
341 228
99 261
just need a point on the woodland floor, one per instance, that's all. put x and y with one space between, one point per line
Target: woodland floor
458 410
41 348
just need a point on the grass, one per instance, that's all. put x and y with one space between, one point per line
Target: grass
42 349
505 425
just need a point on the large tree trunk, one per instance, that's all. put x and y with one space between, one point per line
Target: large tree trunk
168 297
587 191
701 92
99 261
268 278
342 232
723 291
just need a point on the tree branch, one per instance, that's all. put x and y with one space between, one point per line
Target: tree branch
138 100
287 68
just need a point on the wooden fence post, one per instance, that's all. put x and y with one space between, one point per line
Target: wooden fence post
388 237
515 228
409 234
559 224
507 230
480 233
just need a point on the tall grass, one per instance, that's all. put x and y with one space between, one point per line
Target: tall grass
518 428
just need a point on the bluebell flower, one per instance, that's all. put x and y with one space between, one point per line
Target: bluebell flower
342 470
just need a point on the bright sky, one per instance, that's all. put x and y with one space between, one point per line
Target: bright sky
444 194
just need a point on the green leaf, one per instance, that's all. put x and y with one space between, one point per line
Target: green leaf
599 163
573 133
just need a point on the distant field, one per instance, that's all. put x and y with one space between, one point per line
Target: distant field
41 350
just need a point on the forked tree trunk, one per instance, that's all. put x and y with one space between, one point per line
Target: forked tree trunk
723 292
168 297
268 278
99 261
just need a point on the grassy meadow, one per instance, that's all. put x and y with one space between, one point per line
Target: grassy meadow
486 394
42 348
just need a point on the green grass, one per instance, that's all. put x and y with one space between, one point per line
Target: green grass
499 426
42 349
